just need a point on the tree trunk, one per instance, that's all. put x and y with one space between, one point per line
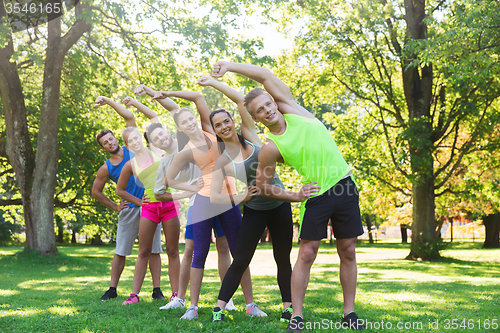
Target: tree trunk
73 237
96 240
368 222
404 233
492 226
417 84
60 234
18 145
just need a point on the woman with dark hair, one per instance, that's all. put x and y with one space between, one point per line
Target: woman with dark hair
199 147
240 160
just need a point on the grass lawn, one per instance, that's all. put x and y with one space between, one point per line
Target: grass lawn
61 294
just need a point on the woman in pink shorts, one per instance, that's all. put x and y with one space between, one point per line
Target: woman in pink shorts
144 166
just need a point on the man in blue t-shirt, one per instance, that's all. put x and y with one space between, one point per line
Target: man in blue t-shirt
129 214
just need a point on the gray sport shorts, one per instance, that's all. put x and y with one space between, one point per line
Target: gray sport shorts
128 229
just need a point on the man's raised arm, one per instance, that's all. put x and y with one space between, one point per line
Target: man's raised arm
120 109
167 103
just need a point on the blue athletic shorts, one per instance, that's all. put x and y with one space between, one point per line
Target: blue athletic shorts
189 226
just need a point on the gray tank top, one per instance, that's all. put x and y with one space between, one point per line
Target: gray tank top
246 171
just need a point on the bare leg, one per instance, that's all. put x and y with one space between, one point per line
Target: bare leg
196 280
117 266
223 256
171 229
155 268
348 271
185 268
147 229
301 272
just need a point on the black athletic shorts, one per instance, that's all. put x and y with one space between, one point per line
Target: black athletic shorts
339 204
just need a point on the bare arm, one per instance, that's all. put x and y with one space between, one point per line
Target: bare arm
183 157
120 109
167 103
268 156
167 196
99 183
274 86
248 129
198 100
121 186
152 116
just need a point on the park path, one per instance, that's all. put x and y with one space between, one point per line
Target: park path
263 260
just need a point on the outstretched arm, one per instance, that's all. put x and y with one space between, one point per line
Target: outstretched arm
195 97
274 86
152 116
120 109
248 129
167 103
268 156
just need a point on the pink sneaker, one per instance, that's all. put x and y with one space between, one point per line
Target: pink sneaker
174 295
133 298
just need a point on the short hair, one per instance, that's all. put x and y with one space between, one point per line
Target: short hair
251 96
149 129
126 130
101 134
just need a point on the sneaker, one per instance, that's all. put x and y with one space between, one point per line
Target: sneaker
353 322
157 294
217 315
191 313
286 315
230 305
133 298
296 324
175 303
254 311
173 296
110 293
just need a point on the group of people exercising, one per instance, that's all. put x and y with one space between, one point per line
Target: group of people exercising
203 164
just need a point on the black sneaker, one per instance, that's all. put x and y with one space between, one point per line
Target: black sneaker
286 315
110 293
353 322
157 294
217 315
296 324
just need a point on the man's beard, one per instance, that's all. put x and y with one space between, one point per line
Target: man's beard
116 151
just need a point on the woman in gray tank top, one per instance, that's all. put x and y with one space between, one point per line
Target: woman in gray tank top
240 160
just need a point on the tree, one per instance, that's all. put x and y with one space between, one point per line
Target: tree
423 72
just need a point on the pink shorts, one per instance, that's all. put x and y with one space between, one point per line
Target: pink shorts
160 211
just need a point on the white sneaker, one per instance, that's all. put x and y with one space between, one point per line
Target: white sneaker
175 303
253 310
191 313
230 306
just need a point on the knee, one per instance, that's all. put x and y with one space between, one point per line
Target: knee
144 252
308 254
347 252
221 245
173 250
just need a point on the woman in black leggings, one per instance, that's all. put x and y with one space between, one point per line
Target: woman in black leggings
240 160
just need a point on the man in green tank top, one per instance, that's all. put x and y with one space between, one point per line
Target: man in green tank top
298 139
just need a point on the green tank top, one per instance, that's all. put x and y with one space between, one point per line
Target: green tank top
147 174
308 146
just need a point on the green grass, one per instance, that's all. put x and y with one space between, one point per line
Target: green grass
61 294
